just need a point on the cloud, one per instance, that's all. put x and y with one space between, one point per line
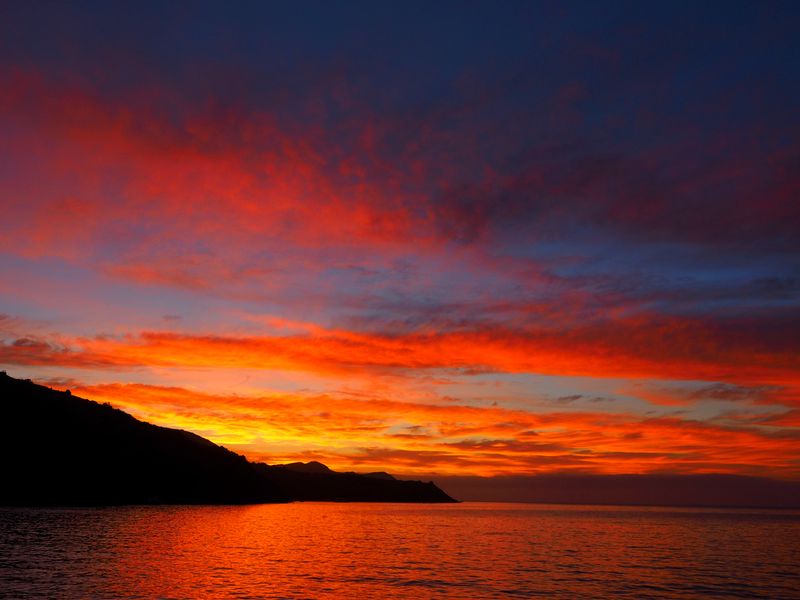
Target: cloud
145 173
739 352
438 215
676 395
350 433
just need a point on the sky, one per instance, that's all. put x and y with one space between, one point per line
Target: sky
450 238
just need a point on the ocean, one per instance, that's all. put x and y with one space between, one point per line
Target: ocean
364 551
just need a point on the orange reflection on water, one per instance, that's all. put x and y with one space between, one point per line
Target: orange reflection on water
324 550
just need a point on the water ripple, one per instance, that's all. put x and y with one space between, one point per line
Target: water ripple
319 550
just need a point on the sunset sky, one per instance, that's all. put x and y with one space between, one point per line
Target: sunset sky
427 238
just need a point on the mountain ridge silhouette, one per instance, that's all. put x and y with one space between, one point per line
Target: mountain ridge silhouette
60 449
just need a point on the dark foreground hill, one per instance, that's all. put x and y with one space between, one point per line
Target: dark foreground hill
373 487
58 449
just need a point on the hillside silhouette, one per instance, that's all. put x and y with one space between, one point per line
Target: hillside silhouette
59 449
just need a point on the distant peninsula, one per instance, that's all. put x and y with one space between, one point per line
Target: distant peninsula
61 450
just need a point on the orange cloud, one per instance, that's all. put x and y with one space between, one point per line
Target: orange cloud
366 434
676 395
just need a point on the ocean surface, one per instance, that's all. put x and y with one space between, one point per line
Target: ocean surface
364 551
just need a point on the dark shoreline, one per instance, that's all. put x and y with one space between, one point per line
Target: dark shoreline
63 450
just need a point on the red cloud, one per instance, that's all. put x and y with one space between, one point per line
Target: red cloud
656 347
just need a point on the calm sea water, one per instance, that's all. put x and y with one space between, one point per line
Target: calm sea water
325 550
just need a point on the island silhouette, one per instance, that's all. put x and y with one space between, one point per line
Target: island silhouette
62 450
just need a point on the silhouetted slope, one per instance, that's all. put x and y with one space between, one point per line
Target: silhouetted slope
302 482
309 467
62 450
380 475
